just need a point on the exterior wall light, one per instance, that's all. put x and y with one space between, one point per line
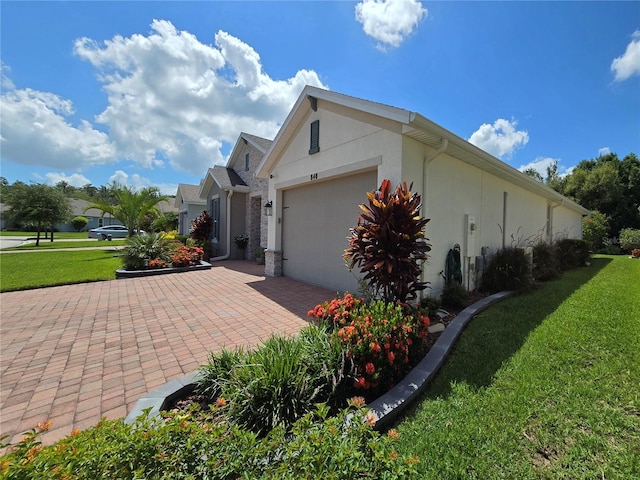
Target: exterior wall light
268 209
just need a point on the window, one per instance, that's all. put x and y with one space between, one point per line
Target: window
246 162
315 137
215 213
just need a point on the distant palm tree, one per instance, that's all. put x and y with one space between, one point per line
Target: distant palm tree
132 205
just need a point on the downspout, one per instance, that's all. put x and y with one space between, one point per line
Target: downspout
224 257
553 207
444 143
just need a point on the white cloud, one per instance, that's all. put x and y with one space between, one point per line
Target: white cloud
6 83
628 64
604 151
540 164
36 131
389 21
123 178
75 179
173 98
500 139
171 101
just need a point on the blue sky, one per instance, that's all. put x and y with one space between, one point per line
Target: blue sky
154 93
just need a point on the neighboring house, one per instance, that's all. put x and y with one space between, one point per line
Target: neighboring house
332 149
236 198
97 218
189 205
78 207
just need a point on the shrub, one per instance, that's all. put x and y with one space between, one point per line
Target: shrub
382 339
431 305
545 262
389 242
201 228
141 249
344 446
184 256
508 270
79 223
572 253
611 249
278 382
595 229
454 296
635 253
629 239
182 238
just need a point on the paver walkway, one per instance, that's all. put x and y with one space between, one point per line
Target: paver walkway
74 354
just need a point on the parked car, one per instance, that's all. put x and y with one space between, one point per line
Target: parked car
116 231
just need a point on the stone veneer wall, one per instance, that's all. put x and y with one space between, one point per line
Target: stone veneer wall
255 220
273 263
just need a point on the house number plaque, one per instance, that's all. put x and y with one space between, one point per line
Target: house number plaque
314 176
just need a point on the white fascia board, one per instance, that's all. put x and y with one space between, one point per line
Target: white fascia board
205 184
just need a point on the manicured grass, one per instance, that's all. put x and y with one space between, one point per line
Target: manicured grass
56 235
47 245
542 385
19 271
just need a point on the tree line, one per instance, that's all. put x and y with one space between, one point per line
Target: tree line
606 185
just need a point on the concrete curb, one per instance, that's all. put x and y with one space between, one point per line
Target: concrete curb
389 406
123 273
386 408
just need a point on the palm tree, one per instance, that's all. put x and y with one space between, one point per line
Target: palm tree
131 206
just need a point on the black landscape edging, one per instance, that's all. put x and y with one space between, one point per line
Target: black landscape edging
386 408
123 273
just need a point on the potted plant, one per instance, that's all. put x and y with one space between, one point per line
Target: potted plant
241 242
259 254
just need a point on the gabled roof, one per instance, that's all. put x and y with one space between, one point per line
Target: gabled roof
189 194
226 179
415 126
259 143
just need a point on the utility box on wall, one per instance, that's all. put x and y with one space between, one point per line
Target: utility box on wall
470 228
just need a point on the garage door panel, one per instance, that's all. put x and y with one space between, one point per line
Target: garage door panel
316 222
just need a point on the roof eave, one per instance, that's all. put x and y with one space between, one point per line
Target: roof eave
505 171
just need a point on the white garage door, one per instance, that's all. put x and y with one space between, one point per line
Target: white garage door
315 226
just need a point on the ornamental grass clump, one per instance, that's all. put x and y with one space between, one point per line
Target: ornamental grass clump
279 381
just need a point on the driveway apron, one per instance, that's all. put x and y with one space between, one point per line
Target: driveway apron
77 353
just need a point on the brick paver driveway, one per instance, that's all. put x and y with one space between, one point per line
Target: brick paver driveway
76 353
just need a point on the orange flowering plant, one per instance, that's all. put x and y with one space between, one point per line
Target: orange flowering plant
383 339
186 256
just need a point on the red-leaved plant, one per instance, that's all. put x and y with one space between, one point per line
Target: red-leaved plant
382 339
389 242
201 227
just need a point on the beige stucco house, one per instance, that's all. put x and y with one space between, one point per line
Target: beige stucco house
334 148
235 199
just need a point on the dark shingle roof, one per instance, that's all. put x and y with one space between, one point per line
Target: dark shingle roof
263 142
190 193
226 177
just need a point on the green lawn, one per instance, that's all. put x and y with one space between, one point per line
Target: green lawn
542 385
56 235
19 271
47 245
